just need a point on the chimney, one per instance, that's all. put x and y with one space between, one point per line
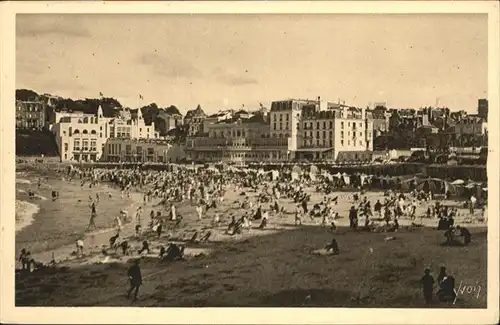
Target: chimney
363 113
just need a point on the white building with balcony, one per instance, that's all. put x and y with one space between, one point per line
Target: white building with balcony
81 137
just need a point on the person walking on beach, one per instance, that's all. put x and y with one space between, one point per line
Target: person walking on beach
118 224
93 215
135 278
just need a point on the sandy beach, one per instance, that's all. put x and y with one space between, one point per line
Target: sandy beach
51 235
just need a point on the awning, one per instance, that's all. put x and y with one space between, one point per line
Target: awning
314 149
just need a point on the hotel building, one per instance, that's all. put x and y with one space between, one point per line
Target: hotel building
81 137
301 130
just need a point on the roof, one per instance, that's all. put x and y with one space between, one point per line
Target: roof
253 119
198 111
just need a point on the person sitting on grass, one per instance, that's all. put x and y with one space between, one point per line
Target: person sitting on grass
333 246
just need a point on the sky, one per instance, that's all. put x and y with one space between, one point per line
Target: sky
235 61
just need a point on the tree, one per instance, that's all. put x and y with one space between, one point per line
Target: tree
26 95
172 110
149 112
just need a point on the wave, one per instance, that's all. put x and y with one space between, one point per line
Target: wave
23 181
40 197
25 212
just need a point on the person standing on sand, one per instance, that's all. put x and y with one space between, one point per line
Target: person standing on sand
93 215
135 279
199 211
118 224
173 213
427 283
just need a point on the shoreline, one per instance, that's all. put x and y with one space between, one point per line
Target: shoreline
26 217
46 231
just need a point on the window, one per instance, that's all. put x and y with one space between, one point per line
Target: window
348 142
342 143
360 123
342 125
85 145
93 145
85 132
331 125
65 156
341 134
64 132
324 134
354 133
76 144
348 123
274 126
287 117
360 134
65 147
331 143
331 134
324 125
317 134
317 125
360 142
93 132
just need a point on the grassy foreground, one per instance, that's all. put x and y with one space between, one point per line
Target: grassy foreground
279 270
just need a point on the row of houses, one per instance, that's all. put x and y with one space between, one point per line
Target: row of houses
293 129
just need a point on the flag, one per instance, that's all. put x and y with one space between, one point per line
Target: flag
100 94
140 96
